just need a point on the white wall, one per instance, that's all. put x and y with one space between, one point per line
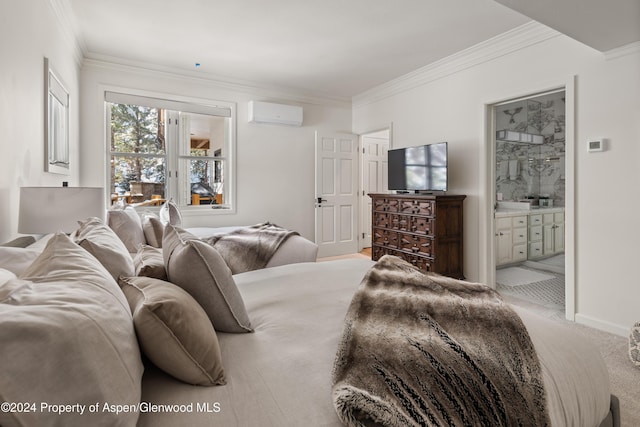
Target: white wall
275 164
449 106
29 32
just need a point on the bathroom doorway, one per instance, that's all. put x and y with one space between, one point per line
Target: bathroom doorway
530 151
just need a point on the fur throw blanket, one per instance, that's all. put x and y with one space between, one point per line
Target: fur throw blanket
425 350
250 248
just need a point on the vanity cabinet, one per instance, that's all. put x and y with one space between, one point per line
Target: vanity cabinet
552 233
546 234
522 235
423 230
535 236
511 239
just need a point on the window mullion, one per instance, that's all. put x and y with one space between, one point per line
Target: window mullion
172 138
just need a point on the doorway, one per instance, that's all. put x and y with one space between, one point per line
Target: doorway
336 206
530 205
373 177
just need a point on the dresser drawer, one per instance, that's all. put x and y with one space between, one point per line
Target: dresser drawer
417 261
421 262
385 238
383 204
416 244
417 207
399 222
423 225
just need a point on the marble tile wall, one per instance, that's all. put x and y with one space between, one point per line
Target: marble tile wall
526 171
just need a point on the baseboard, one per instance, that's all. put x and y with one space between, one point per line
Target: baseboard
602 325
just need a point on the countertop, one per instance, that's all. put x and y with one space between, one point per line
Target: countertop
501 212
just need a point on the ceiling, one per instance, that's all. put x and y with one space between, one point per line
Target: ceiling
329 48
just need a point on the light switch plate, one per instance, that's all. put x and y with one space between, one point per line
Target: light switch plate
594 145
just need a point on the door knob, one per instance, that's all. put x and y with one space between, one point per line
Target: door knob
320 200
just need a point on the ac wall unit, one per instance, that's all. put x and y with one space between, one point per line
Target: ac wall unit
268 112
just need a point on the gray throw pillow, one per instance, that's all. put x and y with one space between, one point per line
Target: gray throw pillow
174 331
199 269
101 241
153 229
127 225
149 263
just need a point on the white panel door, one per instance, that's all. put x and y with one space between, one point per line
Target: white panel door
336 194
374 178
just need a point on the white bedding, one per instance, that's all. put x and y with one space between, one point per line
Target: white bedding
280 375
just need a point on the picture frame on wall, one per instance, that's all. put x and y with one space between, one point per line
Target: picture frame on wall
56 128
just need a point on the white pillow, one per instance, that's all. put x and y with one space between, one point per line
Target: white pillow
41 242
5 276
17 260
170 214
67 338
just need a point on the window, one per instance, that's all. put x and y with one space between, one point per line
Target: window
163 149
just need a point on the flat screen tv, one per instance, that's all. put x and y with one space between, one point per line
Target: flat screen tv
419 169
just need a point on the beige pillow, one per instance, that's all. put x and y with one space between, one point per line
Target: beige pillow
199 269
153 230
174 331
148 262
67 338
127 225
102 242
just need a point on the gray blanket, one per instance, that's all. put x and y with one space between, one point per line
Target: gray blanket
250 248
425 350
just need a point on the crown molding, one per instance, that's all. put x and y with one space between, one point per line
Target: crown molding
69 28
629 49
147 69
508 42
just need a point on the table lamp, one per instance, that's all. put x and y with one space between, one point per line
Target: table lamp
50 209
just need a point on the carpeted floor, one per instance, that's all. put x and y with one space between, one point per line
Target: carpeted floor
624 376
546 297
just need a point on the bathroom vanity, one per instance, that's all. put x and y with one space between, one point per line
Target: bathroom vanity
528 233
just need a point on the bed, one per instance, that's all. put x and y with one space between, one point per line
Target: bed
279 375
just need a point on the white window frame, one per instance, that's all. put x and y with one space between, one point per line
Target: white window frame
187 105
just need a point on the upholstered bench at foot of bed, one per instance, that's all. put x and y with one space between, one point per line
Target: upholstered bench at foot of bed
294 250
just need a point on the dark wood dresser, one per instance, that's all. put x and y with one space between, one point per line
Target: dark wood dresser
423 230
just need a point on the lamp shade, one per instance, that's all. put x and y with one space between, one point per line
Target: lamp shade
50 209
